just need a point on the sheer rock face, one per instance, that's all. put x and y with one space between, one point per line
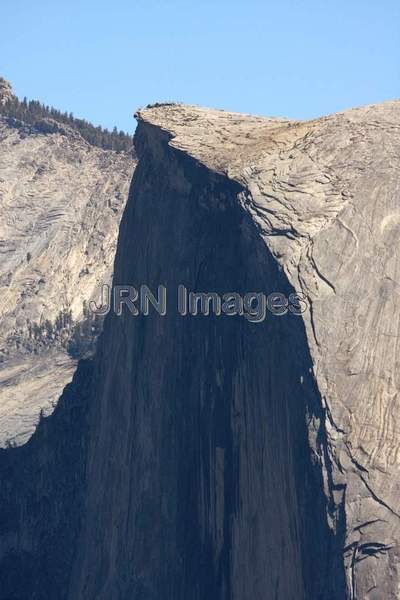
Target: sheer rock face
222 459
325 198
199 445
61 201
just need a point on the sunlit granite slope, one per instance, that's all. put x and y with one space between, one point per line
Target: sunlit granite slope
61 201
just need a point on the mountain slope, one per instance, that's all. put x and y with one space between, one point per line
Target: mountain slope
218 458
61 201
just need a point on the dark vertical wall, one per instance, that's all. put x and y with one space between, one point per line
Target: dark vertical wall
201 482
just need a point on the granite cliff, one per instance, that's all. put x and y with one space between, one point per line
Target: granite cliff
213 458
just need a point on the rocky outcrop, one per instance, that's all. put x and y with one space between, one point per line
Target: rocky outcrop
6 92
61 201
220 458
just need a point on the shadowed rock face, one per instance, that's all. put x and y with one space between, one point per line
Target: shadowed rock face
220 458
41 497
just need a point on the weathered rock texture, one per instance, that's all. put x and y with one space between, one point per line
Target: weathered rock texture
6 92
61 201
221 459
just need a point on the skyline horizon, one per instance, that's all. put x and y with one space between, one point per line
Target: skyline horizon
166 102
294 60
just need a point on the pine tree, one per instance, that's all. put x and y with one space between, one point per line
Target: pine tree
32 111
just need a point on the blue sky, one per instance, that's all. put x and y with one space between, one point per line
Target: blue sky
300 59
